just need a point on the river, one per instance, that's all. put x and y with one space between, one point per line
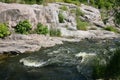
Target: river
54 63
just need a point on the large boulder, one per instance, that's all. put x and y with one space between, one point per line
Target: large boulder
13 13
92 15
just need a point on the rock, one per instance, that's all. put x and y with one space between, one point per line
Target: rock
92 15
18 43
47 15
13 13
101 34
110 21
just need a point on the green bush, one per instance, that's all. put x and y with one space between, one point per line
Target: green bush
23 27
113 29
41 29
81 25
113 67
55 32
117 18
73 11
76 2
64 8
98 69
4 31
110 70
79 12
61 17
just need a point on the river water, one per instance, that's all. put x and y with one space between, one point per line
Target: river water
55 63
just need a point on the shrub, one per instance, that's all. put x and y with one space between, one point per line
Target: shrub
79 12
55 32
81 25
64 8
61 17
113 67
41 29
110 28
110 70
68 1
98 69
117 18
76 2
73 11
4 31
23 27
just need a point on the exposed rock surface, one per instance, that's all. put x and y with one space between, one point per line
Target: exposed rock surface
48 15
92 15
17 43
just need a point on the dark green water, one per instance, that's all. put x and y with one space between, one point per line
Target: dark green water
60 62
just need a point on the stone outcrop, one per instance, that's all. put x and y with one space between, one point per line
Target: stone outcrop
17 43
47 15
92 15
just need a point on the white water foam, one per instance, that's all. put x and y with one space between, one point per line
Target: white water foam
84 55
32 63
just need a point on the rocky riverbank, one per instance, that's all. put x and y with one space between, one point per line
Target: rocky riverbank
17 43
48 15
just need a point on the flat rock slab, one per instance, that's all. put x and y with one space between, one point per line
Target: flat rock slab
18 43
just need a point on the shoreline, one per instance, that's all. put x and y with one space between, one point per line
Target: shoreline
17 43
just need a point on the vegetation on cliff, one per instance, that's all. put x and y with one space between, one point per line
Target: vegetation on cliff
23 27
4 31
41 29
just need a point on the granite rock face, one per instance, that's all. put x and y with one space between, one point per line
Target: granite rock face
47 15
92 15
17 43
